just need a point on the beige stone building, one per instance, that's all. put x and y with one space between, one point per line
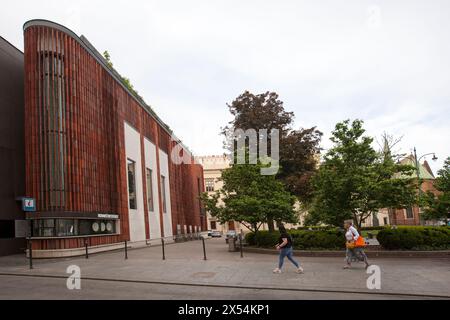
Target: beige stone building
212 172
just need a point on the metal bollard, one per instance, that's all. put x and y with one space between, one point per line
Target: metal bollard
240 245
163 252
30 253
204 248
86 247
126 250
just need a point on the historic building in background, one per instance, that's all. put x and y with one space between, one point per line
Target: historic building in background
97 158
12 168
411 215
212 171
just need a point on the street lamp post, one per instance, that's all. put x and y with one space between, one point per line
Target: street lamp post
419 184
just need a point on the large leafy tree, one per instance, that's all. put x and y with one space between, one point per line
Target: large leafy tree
298 148
355 181
437 205
250 198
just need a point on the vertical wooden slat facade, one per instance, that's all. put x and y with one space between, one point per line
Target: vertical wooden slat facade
75 109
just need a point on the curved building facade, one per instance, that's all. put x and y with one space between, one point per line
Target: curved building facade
98 159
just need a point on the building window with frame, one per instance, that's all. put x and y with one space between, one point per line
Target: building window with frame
213 225
409 213
53 102
149 175
131 167
163 193
43 228
209 185
385 220
66 227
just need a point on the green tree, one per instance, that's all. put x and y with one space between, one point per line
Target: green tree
298 148
355 181
250 198
437 206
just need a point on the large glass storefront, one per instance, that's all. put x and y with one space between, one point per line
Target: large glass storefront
72 227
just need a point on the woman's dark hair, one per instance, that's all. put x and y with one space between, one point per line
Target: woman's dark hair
282 229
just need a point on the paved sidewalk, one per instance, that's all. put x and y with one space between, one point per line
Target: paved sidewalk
184 265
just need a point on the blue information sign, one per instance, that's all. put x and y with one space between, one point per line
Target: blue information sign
28 204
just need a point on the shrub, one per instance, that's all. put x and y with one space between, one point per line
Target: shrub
316 228
414 238
262 238
373 228
302 239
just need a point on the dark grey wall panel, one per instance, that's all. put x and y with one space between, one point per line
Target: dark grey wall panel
12 149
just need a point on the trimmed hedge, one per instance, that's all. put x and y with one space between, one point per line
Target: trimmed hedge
302 239
316 228
414 238
373 228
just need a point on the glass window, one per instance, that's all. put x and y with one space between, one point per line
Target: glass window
72 227
54 108
163 193
409 213
132 183
88 227
149 189
66 227
213 225
43 228
209 185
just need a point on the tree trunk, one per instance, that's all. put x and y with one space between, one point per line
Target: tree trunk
357 221
255 226
271 225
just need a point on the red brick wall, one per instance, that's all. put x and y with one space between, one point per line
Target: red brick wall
399 217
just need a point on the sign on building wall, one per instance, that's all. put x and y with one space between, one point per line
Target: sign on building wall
29 204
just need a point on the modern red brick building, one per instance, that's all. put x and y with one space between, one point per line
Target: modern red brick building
98 160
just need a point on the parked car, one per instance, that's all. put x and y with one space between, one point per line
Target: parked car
216 234
209 233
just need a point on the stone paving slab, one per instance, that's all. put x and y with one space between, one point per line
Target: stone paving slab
185 264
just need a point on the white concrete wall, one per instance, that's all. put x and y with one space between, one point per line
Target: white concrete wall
153 216
133 152
164 170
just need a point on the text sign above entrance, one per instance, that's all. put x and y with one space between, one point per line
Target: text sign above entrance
29 204
108 216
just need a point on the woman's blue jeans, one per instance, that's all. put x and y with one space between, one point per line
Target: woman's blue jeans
286 252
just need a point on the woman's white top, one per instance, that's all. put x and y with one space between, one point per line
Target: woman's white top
351 234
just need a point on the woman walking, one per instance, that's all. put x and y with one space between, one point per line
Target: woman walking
285 247
354 244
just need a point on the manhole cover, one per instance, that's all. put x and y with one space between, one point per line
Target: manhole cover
203 275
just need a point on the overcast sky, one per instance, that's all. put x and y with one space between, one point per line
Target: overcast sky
386 62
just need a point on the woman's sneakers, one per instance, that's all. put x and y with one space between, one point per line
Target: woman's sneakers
299 270
277 270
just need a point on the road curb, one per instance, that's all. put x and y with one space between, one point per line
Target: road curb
369 253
